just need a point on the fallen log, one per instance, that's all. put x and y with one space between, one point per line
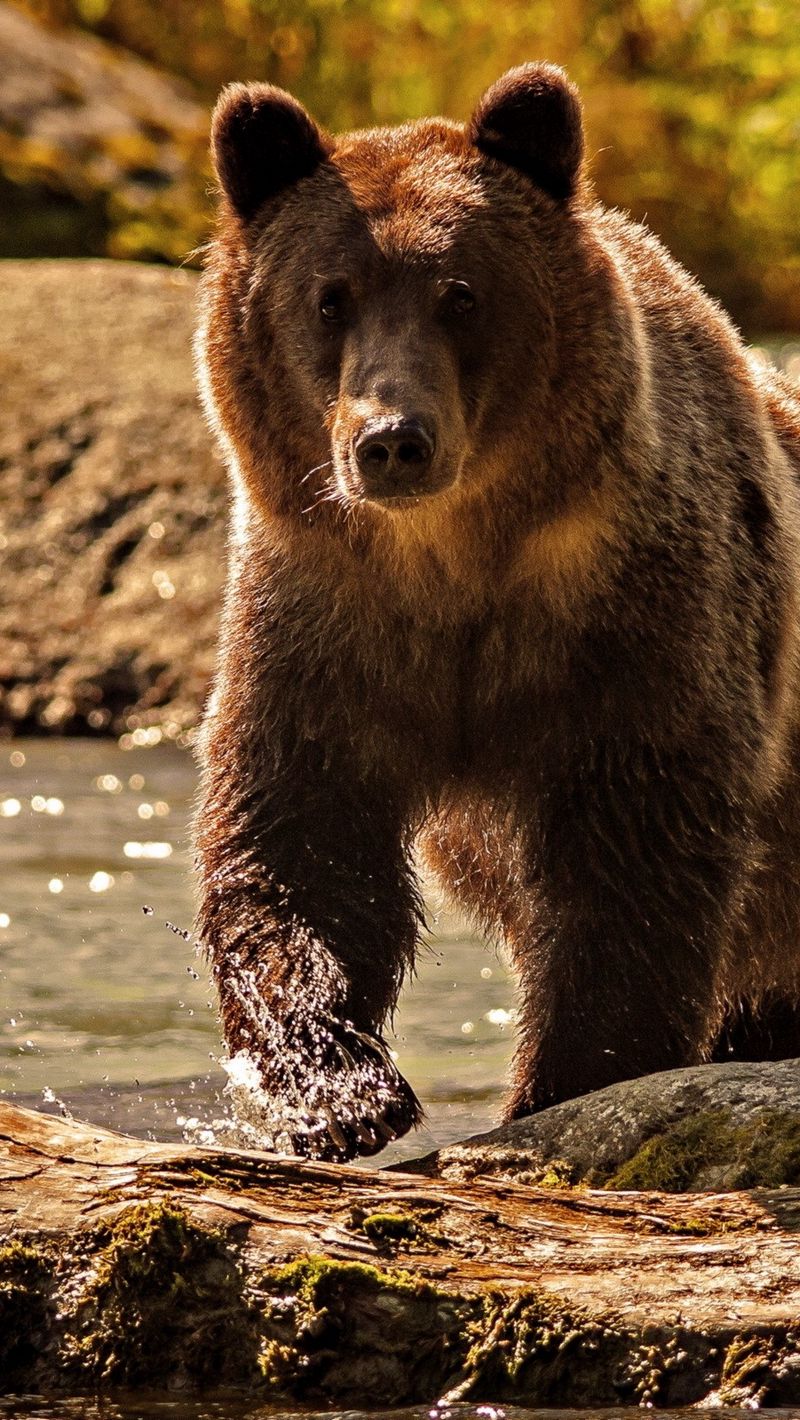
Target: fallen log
134 1264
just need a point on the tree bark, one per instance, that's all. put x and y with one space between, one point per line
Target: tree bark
137 1264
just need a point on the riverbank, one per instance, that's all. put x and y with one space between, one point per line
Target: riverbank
112 502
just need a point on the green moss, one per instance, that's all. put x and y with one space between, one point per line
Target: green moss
389 1227
762 1153
351 1332
313 1278
163 1298
557 1174
530 1347
690 1227
25 1279
769 1155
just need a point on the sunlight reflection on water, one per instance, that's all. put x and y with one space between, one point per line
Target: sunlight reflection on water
104 1003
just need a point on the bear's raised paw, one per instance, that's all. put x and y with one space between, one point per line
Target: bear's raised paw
358 1102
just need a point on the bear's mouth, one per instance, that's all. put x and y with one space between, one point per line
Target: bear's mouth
355 490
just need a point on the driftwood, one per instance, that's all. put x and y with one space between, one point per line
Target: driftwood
135 1264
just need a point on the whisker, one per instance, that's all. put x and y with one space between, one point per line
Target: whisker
312 471
328 493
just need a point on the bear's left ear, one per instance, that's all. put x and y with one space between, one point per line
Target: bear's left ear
262 141
532 120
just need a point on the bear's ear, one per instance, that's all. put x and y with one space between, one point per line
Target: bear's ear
532 120
262 140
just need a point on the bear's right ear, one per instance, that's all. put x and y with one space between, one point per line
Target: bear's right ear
262 141
532 120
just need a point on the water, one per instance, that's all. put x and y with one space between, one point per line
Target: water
105 1006
39 1408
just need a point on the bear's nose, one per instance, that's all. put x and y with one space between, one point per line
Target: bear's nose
396 451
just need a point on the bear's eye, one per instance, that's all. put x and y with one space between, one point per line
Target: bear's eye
332 305
459 299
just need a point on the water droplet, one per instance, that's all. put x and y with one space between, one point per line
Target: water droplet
16 759
499 1017
9 808
55 885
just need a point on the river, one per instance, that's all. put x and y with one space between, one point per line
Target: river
105 1004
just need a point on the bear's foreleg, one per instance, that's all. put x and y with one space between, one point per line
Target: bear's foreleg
310 915
636 865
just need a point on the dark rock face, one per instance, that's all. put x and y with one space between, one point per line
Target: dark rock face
112 521
711 1127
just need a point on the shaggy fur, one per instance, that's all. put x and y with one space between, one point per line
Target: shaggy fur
564 653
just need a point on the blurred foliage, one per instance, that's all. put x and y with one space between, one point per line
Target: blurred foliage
692 106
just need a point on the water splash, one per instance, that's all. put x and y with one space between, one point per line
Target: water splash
50 1097
307 1081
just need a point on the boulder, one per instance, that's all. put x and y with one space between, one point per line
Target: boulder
712 1127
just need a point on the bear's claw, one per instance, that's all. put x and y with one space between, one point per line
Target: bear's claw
345 1096
362 1115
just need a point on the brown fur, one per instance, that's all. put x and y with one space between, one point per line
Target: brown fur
568 657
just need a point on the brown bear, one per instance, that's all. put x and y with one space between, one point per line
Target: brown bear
514 572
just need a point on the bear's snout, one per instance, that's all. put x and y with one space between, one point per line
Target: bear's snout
394 457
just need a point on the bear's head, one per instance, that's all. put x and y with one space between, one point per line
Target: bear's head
382 312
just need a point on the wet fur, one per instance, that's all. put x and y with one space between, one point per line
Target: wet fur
573 673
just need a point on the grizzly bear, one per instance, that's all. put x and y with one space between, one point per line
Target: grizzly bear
514 575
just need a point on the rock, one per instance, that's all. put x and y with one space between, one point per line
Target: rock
112 502
711 1127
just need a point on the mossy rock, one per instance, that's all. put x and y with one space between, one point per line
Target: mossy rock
26 1271
162 1298
711 1151
355 1334
717 1127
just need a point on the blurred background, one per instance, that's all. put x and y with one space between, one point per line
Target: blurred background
692 107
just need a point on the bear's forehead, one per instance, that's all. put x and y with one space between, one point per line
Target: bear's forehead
416 187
